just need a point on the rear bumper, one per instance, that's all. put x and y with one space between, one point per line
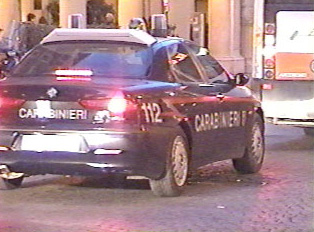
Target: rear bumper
291 122
67 163
297 109
142 154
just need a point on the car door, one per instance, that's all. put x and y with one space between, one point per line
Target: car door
198 103
234 106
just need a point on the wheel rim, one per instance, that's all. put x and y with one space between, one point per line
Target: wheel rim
257 144
179 158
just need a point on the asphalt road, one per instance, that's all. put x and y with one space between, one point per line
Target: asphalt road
278 199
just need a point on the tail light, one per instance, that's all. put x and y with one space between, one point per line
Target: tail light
267 86
116 108
7 102
269 74
73 75
269 63
73 78
269 51
270 28
117 105
95 104
269 67
67 72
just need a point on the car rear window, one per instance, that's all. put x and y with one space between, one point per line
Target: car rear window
103 59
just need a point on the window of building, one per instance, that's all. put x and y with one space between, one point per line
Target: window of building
37 4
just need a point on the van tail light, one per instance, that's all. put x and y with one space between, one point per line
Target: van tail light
269 63
118 107
267 86
8 102
269 74
269 66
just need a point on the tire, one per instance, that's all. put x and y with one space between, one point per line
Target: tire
309 131
254 153
9 184
176 172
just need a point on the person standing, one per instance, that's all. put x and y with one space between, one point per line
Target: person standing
29 36
31 18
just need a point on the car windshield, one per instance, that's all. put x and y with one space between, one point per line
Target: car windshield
103 59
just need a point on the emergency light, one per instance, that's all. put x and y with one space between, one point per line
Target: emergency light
159 25
75 21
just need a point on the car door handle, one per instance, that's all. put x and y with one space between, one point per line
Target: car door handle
205 85
220 96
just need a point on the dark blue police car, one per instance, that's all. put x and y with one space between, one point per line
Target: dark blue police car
122 102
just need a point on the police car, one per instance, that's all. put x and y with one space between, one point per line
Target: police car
121 102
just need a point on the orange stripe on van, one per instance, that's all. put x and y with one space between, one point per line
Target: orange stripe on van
294 66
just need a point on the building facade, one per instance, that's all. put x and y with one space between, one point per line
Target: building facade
224 26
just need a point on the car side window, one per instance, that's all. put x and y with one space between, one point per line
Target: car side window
214 72
182 65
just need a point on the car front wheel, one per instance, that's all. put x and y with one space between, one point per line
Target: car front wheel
176 169
253 157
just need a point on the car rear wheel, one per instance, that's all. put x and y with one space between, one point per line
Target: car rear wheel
176 170
11 183
253 157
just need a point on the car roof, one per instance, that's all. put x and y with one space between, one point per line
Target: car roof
121 35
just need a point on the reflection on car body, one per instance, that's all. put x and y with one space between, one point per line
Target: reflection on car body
122 102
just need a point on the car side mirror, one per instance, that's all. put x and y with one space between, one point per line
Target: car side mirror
2 59
2 75
241 79
7 63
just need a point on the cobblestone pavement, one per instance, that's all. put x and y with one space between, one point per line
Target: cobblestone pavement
278 199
